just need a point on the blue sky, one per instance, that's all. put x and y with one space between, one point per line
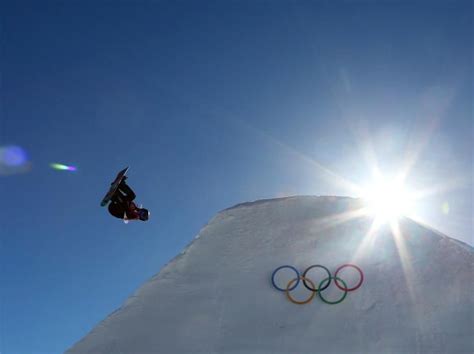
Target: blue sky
211 103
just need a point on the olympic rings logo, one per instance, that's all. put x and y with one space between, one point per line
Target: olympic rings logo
323 285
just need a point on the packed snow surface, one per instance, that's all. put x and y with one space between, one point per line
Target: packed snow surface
217 295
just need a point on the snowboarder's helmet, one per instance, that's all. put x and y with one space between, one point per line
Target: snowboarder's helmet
143 214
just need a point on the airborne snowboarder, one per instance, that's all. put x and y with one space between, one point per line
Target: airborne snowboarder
121 198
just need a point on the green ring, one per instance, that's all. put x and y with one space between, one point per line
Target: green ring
332 302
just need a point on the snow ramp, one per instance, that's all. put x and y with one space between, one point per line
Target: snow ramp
217 295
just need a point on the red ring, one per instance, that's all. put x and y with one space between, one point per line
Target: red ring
358 284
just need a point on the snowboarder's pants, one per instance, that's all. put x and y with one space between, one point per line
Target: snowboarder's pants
123 194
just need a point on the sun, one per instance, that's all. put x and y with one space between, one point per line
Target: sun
387 200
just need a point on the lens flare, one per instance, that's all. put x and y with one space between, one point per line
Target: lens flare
14 156
445 208
61 167
13 160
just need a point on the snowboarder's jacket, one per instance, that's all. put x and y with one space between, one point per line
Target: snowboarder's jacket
127 210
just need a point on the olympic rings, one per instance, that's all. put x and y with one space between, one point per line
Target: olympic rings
345 287
335 281
323 285
296 280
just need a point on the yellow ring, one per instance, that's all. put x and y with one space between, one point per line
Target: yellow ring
295 301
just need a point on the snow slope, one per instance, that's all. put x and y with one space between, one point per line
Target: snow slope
217 297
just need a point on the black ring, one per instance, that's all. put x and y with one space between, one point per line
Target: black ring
317 266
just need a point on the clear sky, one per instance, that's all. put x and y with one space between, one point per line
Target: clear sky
210 103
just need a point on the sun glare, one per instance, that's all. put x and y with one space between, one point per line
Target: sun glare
387 201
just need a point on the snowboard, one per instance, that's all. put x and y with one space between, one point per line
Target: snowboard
113 187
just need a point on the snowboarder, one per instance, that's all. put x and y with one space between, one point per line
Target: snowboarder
122 206
121 198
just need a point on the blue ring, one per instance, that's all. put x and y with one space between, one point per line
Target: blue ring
281 267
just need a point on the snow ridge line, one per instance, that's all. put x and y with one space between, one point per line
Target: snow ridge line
268 200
